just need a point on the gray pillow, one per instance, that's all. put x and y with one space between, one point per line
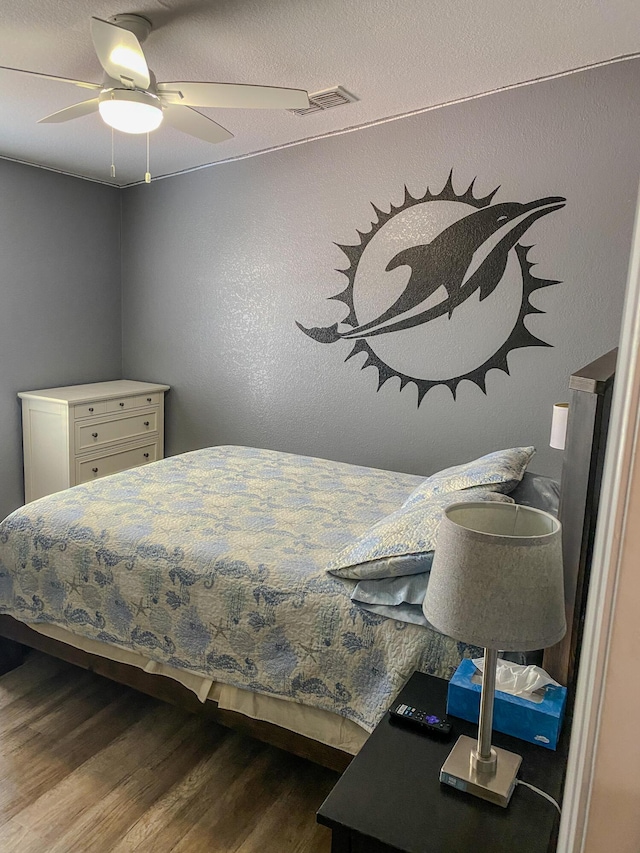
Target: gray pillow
539 492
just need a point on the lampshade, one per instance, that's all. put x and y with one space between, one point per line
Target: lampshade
130 110
496 579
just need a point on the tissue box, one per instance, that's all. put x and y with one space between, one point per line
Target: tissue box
537 722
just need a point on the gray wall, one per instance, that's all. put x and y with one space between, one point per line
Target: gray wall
60 296
219 264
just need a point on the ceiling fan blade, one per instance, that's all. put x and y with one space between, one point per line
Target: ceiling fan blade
120 53
84 108
233 95
80 83
195 124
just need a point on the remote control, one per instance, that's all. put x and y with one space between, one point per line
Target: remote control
423 721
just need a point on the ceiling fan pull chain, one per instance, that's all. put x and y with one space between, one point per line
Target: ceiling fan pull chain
147 174
113 165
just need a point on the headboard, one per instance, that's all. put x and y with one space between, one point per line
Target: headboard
590 395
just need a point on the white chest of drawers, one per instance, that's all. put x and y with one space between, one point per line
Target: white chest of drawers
82 432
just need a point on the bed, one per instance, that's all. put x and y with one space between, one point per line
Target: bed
130 577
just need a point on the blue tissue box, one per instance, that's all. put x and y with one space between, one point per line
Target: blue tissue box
537 722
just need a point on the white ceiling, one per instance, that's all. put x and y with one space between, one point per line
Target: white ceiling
395 56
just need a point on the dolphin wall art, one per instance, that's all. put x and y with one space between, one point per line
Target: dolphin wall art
469 255
461 248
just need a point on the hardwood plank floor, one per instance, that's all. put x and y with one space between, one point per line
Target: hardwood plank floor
90 766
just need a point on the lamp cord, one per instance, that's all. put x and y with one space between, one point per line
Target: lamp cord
542 793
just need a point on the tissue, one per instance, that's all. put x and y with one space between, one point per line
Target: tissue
537 719
529 682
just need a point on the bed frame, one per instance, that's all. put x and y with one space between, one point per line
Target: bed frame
590 403
590 394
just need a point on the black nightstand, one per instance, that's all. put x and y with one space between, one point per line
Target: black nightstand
390 797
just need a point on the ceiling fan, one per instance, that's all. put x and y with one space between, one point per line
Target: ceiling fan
129 98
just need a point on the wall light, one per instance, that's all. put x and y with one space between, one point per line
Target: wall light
559 426
130 110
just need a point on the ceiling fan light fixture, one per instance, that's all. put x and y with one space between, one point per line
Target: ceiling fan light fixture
128 59
130 110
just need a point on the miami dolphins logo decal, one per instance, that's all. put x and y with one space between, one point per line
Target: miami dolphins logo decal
462 309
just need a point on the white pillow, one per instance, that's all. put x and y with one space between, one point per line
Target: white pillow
402 543
501 470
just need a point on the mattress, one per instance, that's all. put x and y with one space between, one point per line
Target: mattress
213 562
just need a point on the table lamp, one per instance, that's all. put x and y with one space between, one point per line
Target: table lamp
496 581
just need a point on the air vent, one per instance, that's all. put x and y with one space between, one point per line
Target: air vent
325 100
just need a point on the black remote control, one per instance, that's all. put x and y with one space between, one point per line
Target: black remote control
423 721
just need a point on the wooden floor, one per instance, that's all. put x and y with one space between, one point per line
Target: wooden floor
90 766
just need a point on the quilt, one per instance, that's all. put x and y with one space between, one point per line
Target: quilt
215 561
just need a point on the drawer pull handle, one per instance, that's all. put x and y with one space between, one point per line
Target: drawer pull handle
95 470
94 434
122 404
146 455
146 423
148 399
90 408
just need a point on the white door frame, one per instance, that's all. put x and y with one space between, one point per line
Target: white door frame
609 540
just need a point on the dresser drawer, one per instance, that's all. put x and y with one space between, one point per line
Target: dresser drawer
123 404
86 410
94 434
111 463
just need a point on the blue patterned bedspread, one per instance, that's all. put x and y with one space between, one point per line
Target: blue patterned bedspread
214 561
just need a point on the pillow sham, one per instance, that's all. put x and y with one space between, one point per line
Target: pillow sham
411 613
402 543
410 589
502 470
395 598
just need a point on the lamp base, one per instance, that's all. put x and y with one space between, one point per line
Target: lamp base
459 772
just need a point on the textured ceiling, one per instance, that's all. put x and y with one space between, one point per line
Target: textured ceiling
394 56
